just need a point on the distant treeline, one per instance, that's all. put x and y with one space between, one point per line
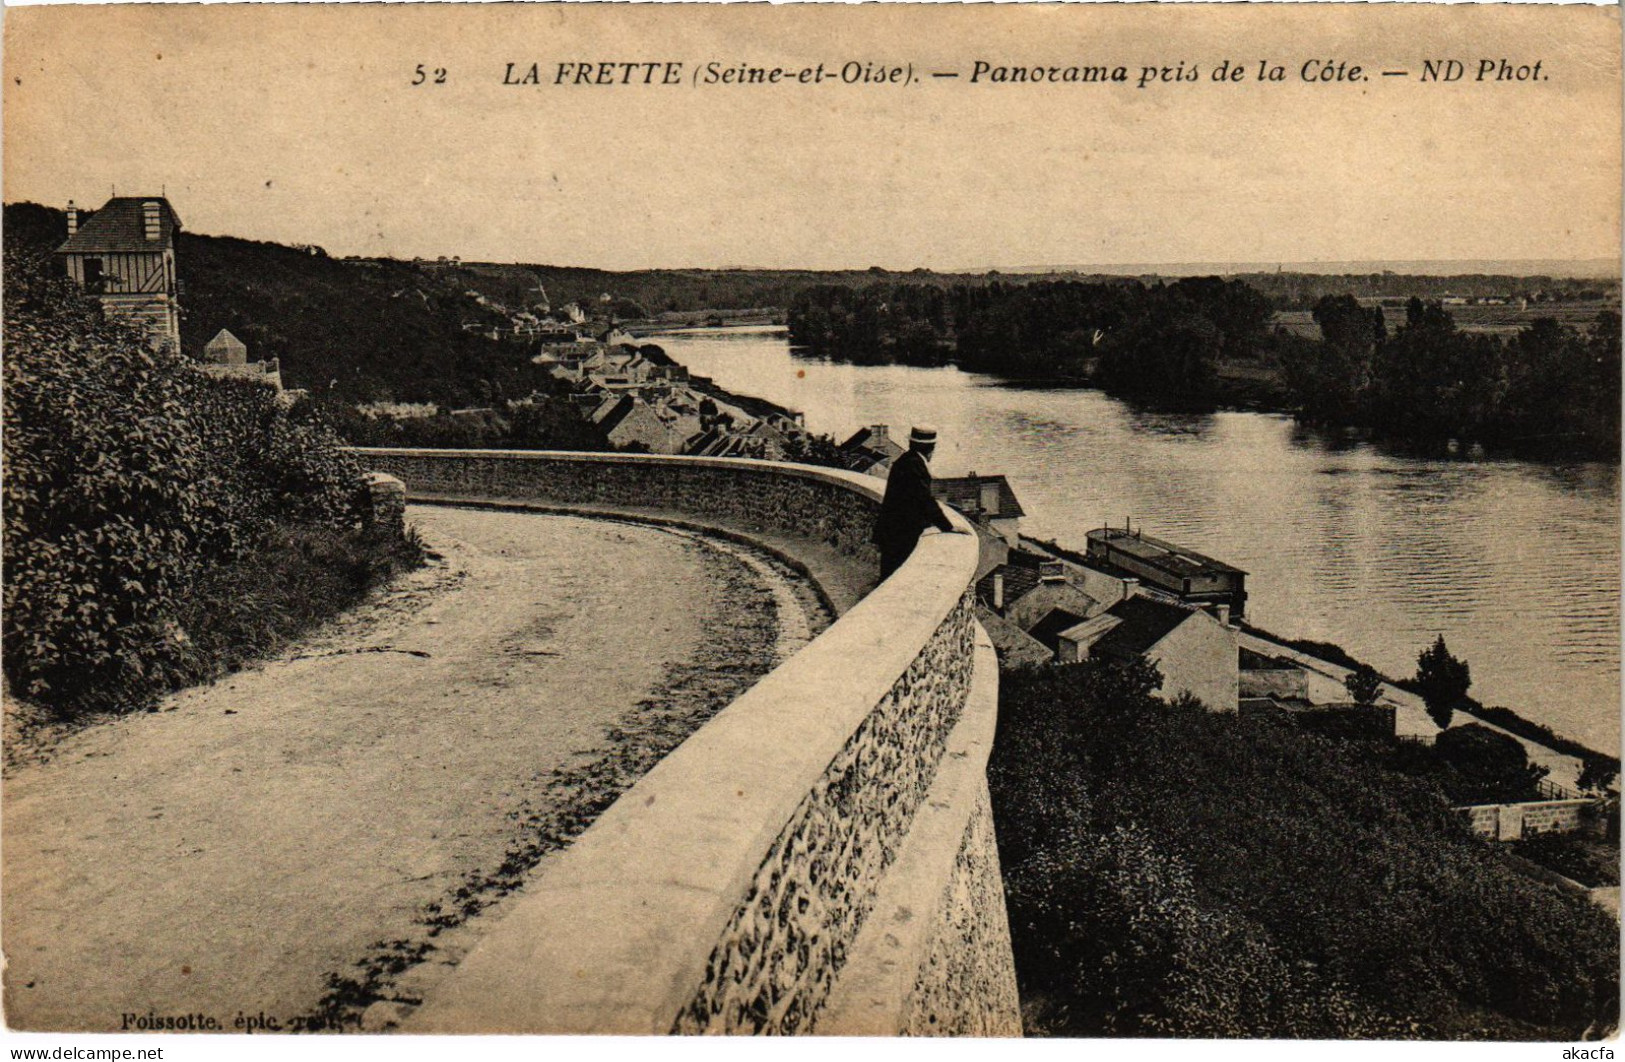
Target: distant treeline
1158 340
651 292
1300 291
1548 389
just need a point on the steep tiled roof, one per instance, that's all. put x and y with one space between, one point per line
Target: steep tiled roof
1048 630
1145 623
120 226
224 342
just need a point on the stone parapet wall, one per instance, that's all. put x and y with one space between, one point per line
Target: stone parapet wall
826 505
730 888
784 945
936 950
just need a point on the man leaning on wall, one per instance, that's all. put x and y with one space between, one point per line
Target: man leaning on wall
908 508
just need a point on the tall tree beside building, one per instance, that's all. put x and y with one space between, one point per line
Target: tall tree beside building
1442 681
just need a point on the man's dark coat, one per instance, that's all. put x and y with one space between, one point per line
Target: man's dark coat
906 510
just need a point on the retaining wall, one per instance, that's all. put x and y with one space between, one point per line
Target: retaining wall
822 843
1511 822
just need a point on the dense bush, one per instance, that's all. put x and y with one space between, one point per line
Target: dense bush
1579 857
132 480
1171 871
1490 767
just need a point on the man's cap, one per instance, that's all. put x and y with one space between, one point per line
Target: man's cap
923 434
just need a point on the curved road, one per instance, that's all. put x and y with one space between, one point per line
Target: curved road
302 840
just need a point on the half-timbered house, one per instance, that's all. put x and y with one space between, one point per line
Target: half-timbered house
124 254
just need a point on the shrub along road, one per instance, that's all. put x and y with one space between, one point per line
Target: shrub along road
308 837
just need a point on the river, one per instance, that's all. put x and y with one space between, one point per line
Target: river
1516 563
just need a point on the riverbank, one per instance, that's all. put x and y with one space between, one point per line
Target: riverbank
1379 550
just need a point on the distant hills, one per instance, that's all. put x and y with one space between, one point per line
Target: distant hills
655 291
1557 268
365 329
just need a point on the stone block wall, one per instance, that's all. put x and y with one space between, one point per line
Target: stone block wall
727 890
936 948
967 986
1510 822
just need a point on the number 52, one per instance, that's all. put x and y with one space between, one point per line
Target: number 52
422 75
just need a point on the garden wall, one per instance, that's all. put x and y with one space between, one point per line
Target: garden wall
1510 822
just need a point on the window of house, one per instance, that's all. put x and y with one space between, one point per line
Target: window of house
95 280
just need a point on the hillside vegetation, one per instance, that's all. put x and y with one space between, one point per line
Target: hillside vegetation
1175 872
160 525
346 331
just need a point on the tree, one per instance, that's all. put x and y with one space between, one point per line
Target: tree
1363 684
1597 774
1332 385
1442 681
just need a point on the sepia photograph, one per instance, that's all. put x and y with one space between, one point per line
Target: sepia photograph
1011 521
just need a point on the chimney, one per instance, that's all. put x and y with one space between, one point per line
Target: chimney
998 592
1223 611
879 431
1130 587
150 221
73 218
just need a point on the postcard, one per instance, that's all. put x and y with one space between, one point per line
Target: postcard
1022 520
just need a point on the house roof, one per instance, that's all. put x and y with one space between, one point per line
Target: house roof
611 412
860 460
875 442
1048 630
1017 582
1014 645
223 341
120 225
1039 599
1021 557
965 494
1145 622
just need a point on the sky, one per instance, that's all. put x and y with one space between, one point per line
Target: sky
300 124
